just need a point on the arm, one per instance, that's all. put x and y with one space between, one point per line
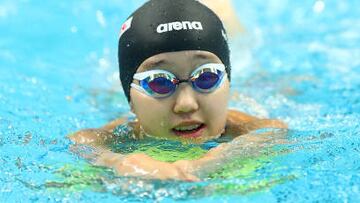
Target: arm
239 123
139 165
142 165
96 137
245 143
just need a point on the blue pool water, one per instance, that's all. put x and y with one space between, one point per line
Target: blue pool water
298 61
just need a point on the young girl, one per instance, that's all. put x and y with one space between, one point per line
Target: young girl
175 72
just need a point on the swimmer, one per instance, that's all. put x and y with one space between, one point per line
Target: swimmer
175 72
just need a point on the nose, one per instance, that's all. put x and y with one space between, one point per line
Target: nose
185 101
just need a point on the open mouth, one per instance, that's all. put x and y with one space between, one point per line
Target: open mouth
189 131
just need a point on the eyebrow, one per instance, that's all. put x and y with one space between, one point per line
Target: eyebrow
162 62
154 63
201 56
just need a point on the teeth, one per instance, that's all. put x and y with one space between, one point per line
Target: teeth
190 127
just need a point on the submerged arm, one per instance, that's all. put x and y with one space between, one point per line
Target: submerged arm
246 142
140 165
238 125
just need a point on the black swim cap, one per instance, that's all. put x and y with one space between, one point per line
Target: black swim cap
161 26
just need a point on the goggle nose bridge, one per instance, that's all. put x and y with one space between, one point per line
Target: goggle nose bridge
178 81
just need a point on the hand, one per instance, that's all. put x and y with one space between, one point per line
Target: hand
141 165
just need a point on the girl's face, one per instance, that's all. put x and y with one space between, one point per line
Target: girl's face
186 115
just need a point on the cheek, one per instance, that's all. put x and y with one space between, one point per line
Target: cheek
215 107
217 102
152 114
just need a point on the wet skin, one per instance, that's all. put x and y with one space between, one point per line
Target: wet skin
186 107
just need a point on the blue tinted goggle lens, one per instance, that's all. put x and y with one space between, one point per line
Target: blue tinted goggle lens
162 85
206 80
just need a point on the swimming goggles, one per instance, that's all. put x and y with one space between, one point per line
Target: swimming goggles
161 83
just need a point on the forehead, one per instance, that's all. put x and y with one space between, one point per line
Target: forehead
178 61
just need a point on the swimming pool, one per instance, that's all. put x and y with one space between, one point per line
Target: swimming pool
298 61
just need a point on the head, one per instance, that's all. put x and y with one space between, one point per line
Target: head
177 37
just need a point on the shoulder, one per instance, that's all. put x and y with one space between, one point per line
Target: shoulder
91 137
239 123
234 115
113 124
97 136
